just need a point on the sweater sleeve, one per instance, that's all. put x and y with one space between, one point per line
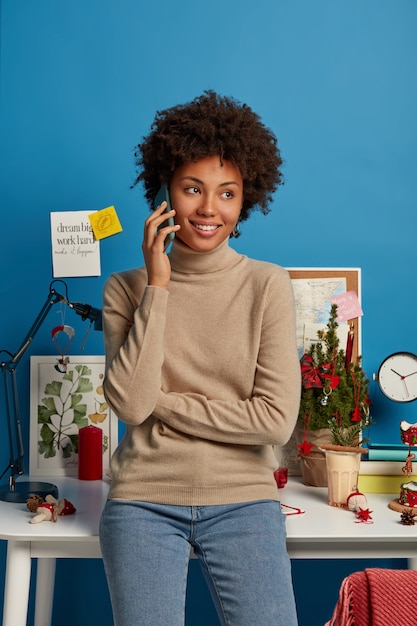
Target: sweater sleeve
268 416
133 337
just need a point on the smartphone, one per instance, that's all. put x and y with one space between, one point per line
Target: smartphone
163 194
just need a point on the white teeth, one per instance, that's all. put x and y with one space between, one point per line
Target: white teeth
205 227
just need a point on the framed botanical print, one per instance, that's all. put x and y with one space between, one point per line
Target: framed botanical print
63 399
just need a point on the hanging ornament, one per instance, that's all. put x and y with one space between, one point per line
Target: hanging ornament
326 393
57 334
333 380
305 446
408 467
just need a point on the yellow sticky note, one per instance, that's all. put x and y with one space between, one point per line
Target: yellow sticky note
105 223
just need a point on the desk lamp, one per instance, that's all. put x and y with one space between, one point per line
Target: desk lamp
20 491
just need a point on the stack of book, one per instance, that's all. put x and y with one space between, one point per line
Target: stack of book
389 451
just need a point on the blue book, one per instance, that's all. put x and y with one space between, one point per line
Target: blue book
389 451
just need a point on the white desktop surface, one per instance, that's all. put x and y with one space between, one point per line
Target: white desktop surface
324 531
88 497
321 532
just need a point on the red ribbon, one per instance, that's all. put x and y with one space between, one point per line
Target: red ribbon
312 376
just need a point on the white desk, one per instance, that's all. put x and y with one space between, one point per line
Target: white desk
321 532
72 536
325 532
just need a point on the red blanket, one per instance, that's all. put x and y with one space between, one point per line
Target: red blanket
376 597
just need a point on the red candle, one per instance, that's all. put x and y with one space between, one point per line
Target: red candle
349 348
90 453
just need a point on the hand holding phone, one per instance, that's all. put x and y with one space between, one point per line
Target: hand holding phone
161 196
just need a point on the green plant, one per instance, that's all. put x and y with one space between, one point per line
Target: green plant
334 393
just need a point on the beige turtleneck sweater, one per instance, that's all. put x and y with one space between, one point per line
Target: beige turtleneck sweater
205 375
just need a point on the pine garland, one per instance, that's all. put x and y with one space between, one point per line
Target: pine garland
341 402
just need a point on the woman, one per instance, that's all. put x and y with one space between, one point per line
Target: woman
202 366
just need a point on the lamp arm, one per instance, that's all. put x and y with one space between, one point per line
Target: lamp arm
8 367
16 463
12 461
53 298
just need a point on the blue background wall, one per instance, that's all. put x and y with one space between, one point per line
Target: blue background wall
80 82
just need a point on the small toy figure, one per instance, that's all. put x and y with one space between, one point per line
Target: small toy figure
407 502
408 467
358 503
408 494
356 500
48 510
408 433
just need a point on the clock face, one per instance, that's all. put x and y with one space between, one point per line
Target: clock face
397 377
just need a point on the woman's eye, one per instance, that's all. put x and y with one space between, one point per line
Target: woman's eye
192 190
228 194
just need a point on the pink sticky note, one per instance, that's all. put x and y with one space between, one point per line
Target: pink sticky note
348 306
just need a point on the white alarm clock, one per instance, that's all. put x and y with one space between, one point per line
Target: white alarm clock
397 377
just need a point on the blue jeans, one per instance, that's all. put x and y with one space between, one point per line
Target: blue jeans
241 549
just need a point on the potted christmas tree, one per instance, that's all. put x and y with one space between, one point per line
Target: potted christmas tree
334 407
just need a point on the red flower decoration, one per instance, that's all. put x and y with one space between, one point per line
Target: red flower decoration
305 447
364 515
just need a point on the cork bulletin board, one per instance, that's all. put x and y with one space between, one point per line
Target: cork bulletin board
313 290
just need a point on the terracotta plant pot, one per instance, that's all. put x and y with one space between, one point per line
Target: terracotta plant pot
313 465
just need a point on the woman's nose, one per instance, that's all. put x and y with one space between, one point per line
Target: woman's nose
207 206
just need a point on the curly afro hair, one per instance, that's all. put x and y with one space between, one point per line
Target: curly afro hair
212 125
